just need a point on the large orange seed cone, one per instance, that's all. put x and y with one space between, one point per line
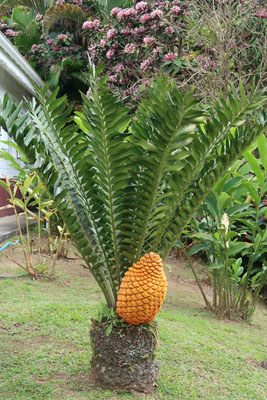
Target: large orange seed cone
142 290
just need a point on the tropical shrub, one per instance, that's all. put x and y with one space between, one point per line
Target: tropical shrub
28 196
230 228
61 53
137 41
127 186
21 197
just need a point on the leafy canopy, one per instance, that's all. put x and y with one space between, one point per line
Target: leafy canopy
128 185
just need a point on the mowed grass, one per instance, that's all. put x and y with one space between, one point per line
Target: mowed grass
45 347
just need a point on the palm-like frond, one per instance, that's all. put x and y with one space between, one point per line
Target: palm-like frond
200 158
63 11
104 122
160 132
185 206
59 153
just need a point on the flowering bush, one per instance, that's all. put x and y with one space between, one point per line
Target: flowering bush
137 41
57 55
53 51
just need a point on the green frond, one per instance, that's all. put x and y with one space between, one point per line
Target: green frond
163 126
215 168
104 122
82 77
53 147
198 153
63 11
39 6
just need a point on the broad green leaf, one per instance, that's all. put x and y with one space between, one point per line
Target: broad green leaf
195 249
255 166
249 186
223 200
219 186
27 183
231 235
19 203
262 146
4 186
205 236
238 247
212 206
257 241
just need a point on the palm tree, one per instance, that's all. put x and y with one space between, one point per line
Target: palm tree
127 185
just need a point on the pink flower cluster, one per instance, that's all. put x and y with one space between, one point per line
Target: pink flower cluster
115 11
126 13
91 25
50 41
111 33
156 13
262 14
136 40
170 57
145 17
62 36
207 63
149 39
129 48
169 30
118 68
110 54
34 47
175 10
10 32
141 6
146 64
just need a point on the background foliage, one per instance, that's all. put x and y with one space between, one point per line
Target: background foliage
130 44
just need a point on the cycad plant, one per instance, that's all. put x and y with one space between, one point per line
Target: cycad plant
127 185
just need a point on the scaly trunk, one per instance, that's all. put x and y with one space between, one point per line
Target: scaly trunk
123 360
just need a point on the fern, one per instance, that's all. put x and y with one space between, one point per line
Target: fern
127 185
63 11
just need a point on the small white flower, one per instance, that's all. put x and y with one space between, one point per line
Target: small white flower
225 222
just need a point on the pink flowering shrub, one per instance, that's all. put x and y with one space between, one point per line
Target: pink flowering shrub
53 51
136 42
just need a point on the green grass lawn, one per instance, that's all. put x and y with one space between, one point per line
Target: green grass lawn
45 347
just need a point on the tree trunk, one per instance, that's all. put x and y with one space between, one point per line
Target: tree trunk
123 357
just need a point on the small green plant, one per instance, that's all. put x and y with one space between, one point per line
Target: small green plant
19 197
231 230
26 195
29 194
109 317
